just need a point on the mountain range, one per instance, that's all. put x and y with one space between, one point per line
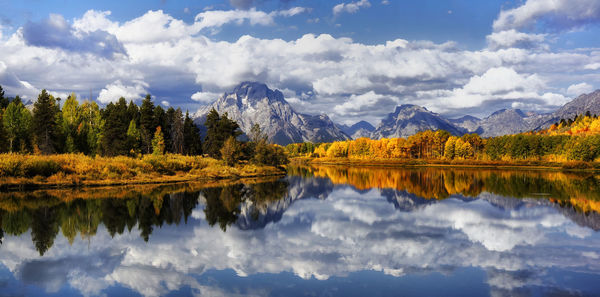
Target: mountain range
254 103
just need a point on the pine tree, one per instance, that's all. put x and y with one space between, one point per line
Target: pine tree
45 126
218 129
3 100
147 125
158 142
160 119
116 123
191 138
177 133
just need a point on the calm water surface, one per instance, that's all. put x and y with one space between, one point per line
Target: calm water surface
321 231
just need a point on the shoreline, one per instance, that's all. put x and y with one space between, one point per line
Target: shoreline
31 172
474 164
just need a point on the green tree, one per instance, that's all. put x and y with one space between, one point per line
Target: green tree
45 126
134 138
158 142
17 125
3 100
191 138
147 125
114 133
218 129
70 122
90 128
177 132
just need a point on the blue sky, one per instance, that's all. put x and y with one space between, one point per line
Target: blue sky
354 59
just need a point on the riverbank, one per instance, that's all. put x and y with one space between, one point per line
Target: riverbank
72 170
528 164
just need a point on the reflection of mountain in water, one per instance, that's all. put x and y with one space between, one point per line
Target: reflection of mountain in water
256 215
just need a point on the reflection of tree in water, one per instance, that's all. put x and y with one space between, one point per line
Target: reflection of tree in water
46 214
223 204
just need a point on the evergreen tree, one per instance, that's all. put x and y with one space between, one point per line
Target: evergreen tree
116 124
3 100
219 129
45 126
147 125
17 125
177 133
158 142
191 138
134 113
160 119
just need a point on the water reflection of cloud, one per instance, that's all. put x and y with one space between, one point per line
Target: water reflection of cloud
345 233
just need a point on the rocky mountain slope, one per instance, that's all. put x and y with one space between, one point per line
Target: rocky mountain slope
358 130
254 103
409 119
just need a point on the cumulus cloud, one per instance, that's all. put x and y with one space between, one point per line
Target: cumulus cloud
579 89
175 61
500 83
351 7
563 14
205 97
56 32
112 92
512 38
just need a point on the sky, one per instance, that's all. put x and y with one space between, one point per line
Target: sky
352 59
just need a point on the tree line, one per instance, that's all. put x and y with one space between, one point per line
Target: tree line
123 128
572 139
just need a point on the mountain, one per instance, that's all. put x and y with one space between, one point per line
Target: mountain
358 130
410 119
254 103
509 121
469 123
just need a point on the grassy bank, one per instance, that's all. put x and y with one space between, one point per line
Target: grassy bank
33 171
531 164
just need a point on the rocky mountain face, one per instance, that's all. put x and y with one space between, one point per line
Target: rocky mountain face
254 103
409 119
508 121
358 130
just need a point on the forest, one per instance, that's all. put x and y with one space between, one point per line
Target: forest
575 139
52 126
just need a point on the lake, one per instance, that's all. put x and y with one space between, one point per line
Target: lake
320 231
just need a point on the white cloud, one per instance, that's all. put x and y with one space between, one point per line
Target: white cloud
205 97
500 83
351 7
165 103
592 66
579 89
175 56
512 38
293 11
563 13
93 20
112 92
